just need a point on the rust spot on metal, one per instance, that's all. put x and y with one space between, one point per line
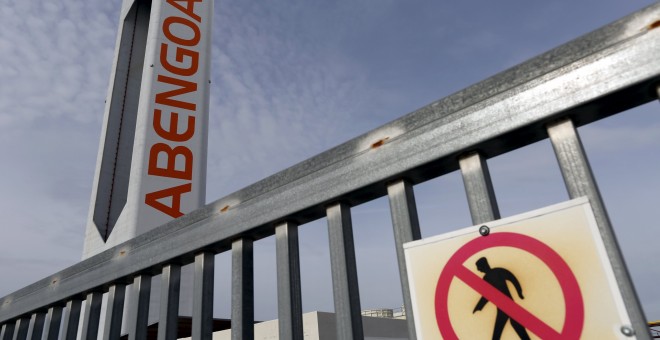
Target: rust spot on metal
379 143
655 24
224 209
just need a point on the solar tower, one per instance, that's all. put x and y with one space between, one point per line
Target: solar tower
151 165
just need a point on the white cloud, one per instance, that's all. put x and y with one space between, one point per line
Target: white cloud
277 98
56 59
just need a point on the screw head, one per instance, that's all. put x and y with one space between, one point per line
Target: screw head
627 331
484 230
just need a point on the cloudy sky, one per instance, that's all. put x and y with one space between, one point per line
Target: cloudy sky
292 78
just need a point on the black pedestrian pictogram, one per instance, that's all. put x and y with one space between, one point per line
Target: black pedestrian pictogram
497 277
455 270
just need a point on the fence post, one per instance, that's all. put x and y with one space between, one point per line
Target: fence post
344 273
406 228
580 182
92 315
36 326
169 302
7 331
138 315
479 188
289 301
20 333
202 323
53 320
114 311
71 318
242 290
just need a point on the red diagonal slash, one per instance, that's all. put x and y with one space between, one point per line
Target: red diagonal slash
503 302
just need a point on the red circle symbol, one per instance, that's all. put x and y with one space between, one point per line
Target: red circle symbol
574 318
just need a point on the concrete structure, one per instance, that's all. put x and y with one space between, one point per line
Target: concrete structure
151 166
322 326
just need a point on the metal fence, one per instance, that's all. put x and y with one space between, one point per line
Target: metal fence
600 74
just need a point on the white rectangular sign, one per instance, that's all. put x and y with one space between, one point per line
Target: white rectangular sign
539 275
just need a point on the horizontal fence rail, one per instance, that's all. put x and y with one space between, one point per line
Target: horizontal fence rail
600 74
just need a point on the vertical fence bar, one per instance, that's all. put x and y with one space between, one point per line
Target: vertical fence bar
71 320
344 272
580 182
138 317
92 315
22 326
7 331
289 301
36 326
406 228
202 323
479 188
169 302
242 288
53 321
114 311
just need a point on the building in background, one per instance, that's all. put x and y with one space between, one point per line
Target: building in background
322 326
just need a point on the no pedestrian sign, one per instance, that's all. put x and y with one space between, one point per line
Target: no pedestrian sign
540 275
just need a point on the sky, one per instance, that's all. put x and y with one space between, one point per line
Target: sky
291 79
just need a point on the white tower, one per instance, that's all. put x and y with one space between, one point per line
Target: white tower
151 166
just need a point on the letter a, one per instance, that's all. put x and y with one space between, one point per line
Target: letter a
189 9
151 199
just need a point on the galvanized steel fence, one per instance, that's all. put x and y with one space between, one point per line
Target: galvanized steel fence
600 74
